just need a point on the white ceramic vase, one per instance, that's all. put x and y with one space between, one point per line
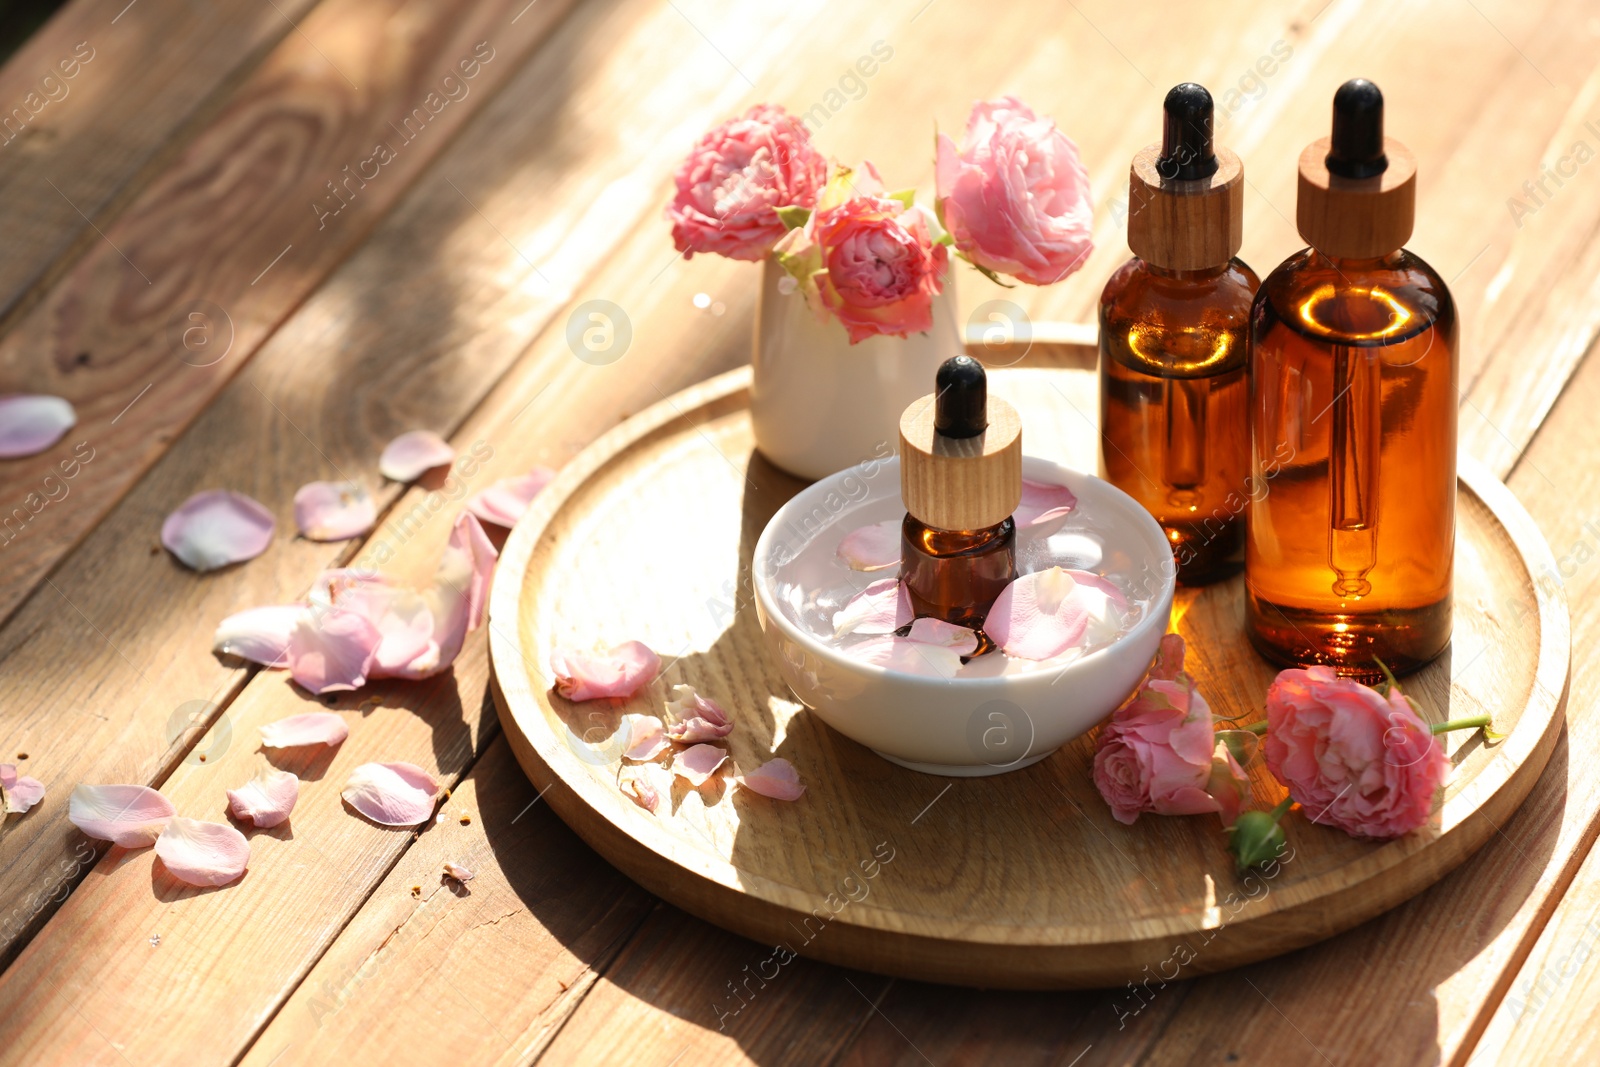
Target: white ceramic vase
820 404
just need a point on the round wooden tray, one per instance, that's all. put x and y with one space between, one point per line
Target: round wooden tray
1021 880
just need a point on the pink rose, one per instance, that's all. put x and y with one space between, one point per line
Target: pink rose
1159 752
1016 197
867 258
735 179
1351 757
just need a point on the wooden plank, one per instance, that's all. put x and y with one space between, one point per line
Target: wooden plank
544 914
686 990
430 342
125 83
150 324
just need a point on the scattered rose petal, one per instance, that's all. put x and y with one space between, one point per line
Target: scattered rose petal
1038 616
619 672
267 799
311 728
872 548
409 456
202 853
332 650
128 815
647 785
696 718
216 528
1042 503
407 644
31 424
458 872
646 739
881 608
21 792
776 779
460 588
504 502
932 646
334 511
695 765
391 794
260 635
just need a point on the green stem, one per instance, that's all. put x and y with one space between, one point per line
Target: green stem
1257 728
1282 809
1471 723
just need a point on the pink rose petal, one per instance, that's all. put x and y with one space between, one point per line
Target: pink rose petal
646 739
1038 616
128 815
696 718
932 646
458 872
216 528
872 548
408 645
881 608
267 799
696 765
332 650
619 672
504 502
1169 658
454 601
391 794
1042 503
647 785
334 511
202 853
310 728
21 792
776 779
260 635
31 424
411 455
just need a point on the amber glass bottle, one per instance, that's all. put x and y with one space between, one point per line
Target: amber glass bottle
960 478
1174 326
1353 420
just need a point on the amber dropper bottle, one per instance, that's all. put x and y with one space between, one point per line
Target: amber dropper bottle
1353 418
1174 324
960 479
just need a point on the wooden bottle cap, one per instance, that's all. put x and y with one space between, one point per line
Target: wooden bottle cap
1357 218
1185 225
960 483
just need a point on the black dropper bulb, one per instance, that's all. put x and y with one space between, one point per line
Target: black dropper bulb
1356 148
961 408
1186 148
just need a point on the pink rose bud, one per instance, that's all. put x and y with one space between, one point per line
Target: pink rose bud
731 185
1015 197
867 258
1159 752
1351 756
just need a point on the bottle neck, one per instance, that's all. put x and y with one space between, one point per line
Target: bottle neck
1205 274
1389 261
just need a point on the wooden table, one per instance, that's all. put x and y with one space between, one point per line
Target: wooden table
189 260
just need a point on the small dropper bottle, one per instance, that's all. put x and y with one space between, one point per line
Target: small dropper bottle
1353 423
960 479
1174 324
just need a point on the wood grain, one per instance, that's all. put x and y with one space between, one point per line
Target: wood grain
447 329
152 322
543 914
142 77
1013 914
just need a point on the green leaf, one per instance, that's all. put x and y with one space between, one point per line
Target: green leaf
794 216
905 196
987 273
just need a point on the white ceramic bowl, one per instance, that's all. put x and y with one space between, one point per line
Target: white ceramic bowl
961 726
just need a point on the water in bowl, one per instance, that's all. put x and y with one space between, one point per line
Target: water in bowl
811 583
